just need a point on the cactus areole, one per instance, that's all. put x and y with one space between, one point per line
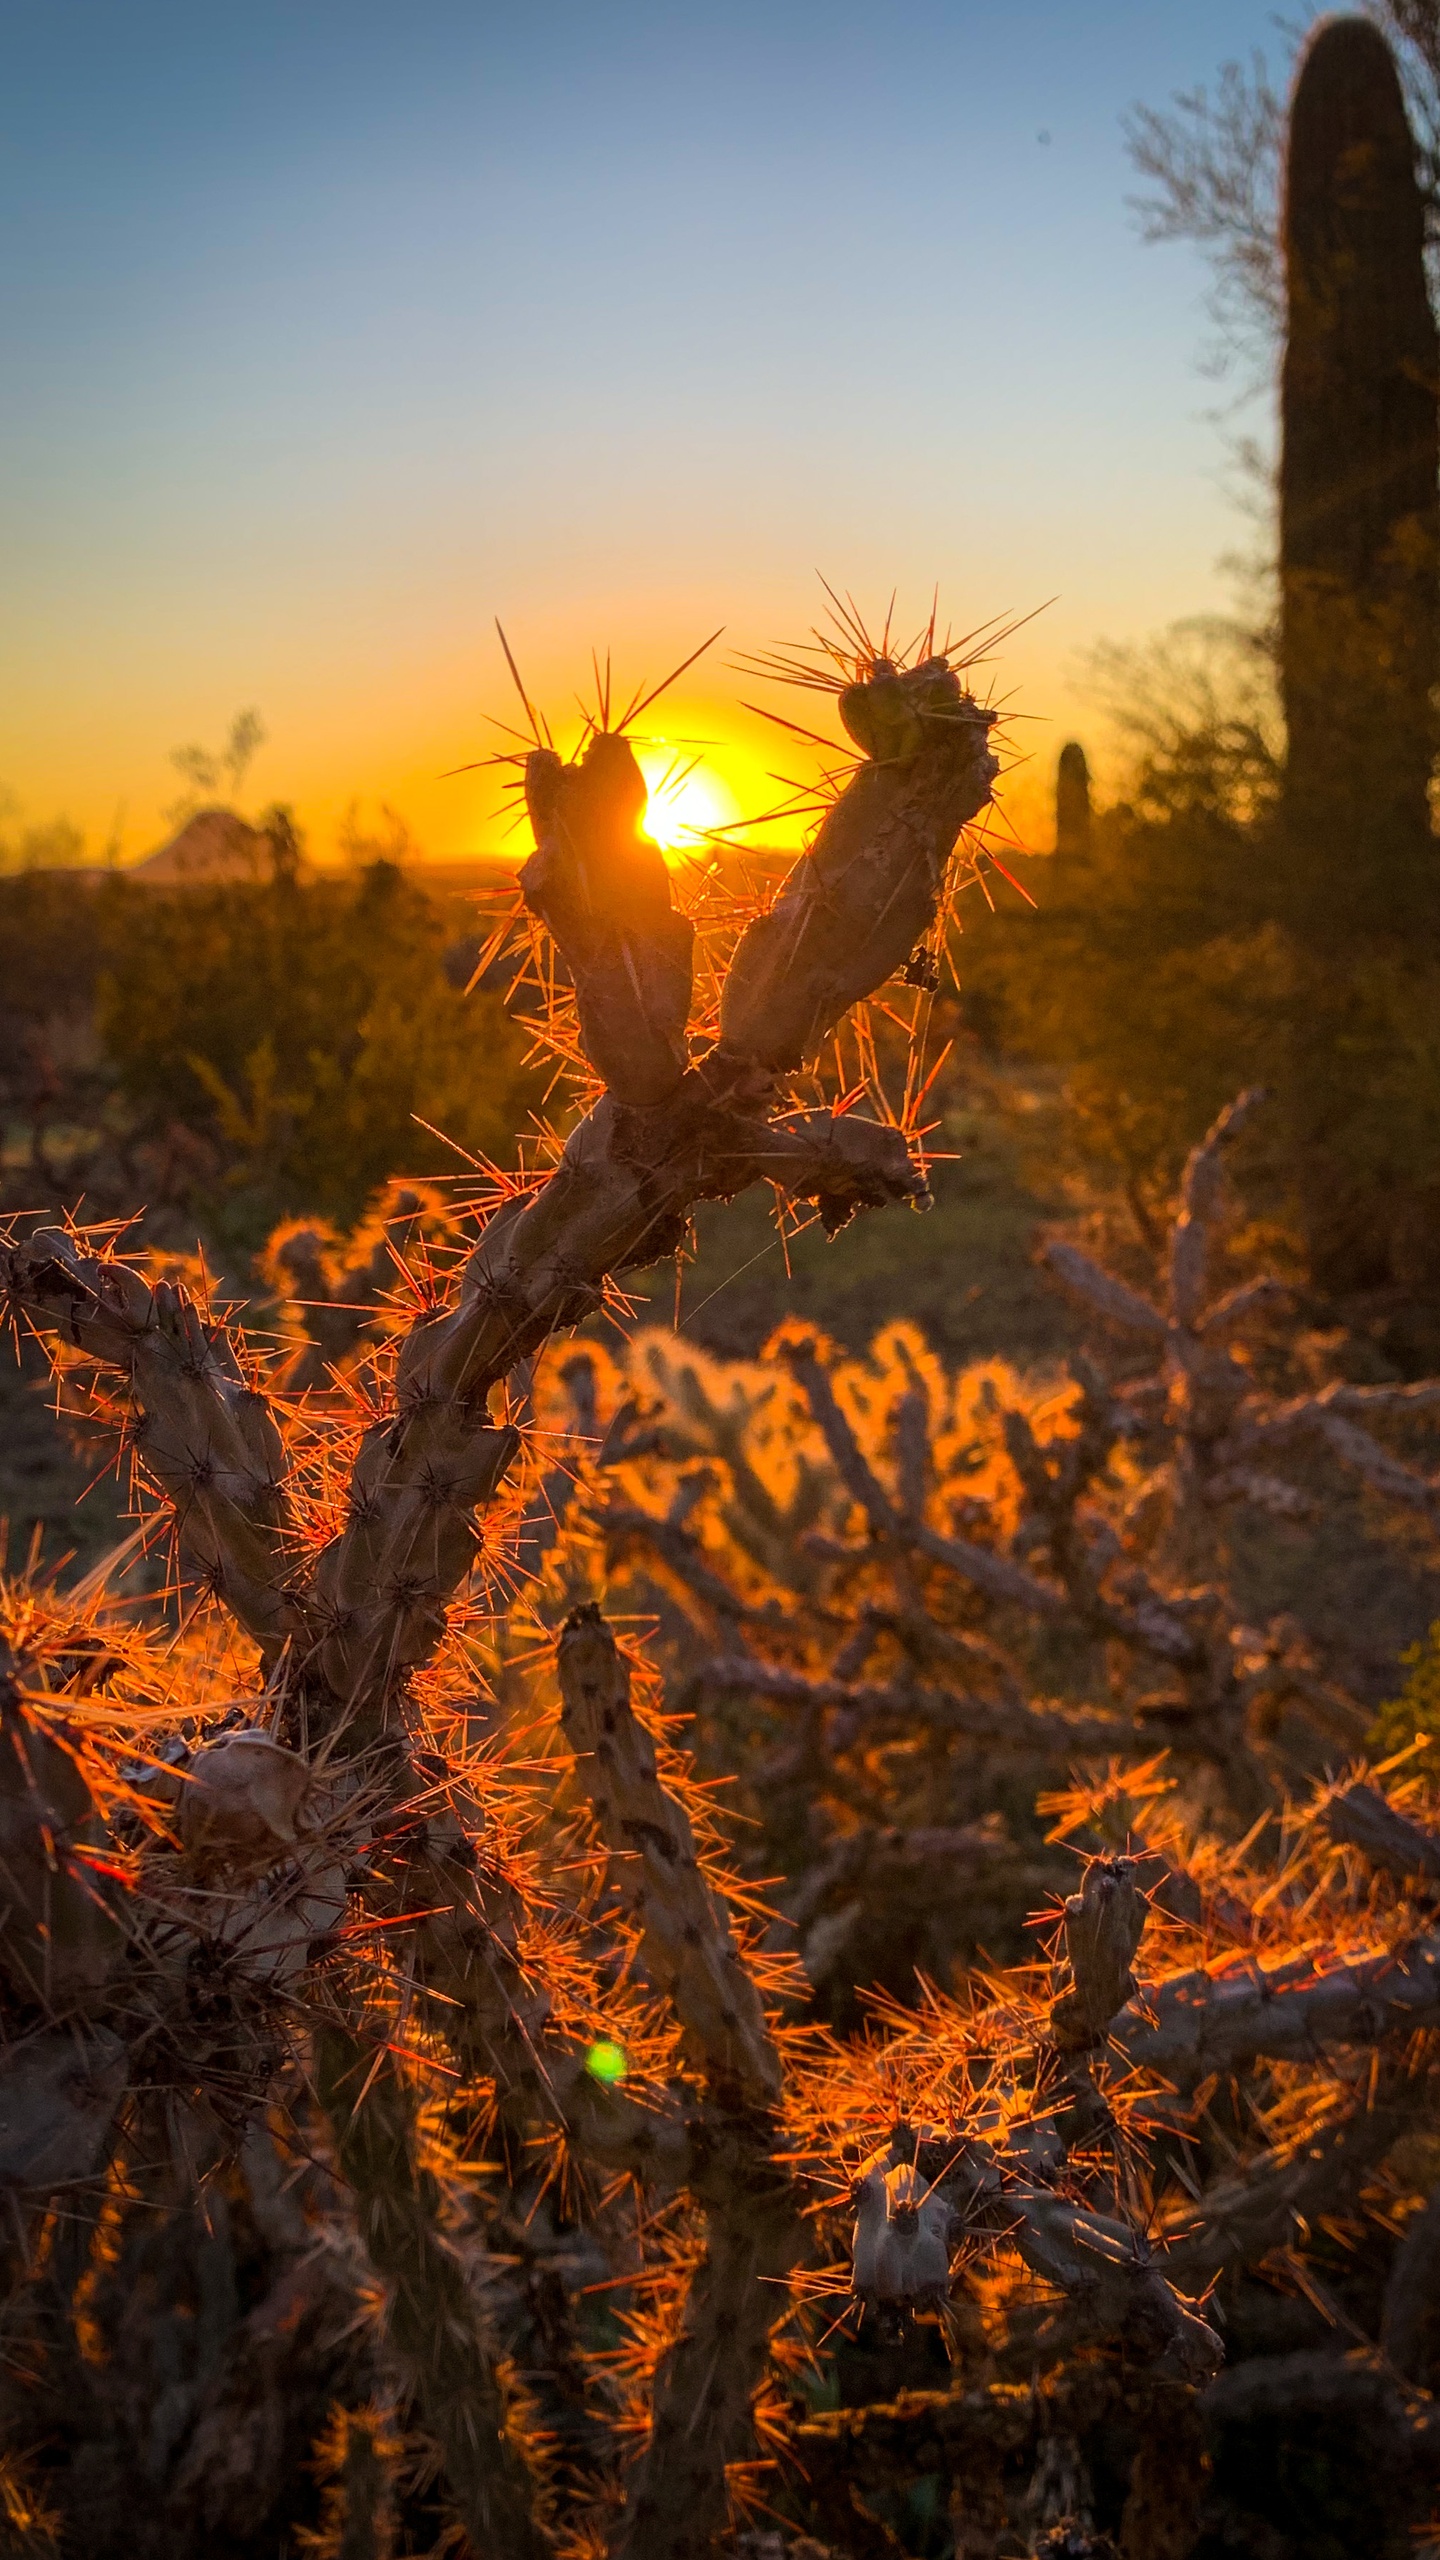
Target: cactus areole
1359 527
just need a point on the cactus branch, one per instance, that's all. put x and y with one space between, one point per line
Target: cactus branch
677 2502
433 2322
199 1428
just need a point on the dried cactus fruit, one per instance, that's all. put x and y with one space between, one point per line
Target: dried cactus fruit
240 1803
901 2246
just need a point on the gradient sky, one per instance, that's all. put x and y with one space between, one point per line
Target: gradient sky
334 330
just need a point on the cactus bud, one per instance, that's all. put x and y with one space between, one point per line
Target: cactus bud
1104 1923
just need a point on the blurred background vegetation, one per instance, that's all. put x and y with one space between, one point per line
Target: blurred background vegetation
221 1053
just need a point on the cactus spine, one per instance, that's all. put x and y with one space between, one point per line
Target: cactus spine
1359 522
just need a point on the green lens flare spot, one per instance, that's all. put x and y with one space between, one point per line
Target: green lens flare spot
606 2062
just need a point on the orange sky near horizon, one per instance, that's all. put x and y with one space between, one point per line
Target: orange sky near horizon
710 756
714 763
334 332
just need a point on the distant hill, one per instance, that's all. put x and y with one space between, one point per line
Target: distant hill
214 845
218 845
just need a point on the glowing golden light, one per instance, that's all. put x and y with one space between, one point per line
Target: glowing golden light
687 800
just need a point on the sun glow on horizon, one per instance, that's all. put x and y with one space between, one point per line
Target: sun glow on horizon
688 801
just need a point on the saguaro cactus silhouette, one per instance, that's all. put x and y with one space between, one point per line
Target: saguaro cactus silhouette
1072 800
1359 525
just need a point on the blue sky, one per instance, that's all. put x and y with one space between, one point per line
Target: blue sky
334 331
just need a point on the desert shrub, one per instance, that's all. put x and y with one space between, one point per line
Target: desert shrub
1415 1713
1169 961
305 1023
1155 972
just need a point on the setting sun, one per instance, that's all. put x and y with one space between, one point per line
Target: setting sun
688 801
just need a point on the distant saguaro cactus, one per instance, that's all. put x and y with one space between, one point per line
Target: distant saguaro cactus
1072 800
1359 522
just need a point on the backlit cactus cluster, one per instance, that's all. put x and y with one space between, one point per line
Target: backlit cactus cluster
419 2129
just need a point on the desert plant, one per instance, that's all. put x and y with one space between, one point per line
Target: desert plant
1286 906
322 1869
1072 800
1359 505
300 1025
345 1634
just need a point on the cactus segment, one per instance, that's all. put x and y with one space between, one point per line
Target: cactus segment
61 1929
867 890
601 887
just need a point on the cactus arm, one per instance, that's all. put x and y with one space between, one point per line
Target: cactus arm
433 2323
601 887
664 1137
1114 1299
1201 1199
858 1704
1103 1926
497 2024
677 2502
1195 2023
380 1589
702 2406
200 1430
687 1945
1360 1817
1107 2272
866 891
1323 1418
1272 2204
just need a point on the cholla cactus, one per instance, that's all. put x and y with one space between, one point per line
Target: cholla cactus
344 1612
356 2461
425 1976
